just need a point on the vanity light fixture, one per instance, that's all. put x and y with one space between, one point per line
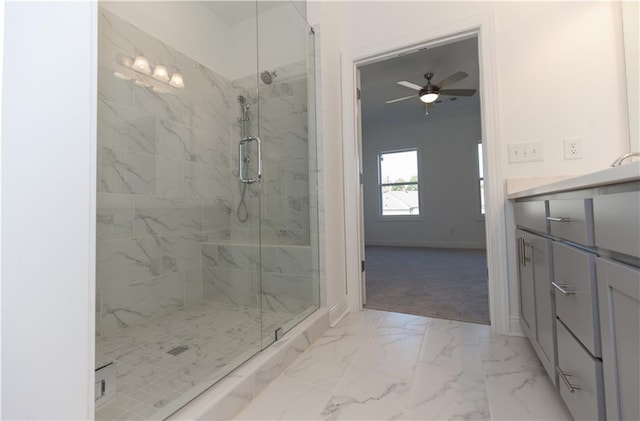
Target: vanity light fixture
160 73
160 79
176 80
141 64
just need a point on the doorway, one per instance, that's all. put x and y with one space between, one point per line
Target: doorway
423 208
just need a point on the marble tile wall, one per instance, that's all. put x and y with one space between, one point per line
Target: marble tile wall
167 184
164 170
283 116
286 283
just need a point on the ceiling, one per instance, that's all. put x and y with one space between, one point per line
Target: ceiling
378 82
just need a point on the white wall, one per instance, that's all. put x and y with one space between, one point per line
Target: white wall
548 56
1 67
322 15
450 215
48 214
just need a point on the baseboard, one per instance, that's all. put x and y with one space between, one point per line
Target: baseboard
514 326
338 310
430 244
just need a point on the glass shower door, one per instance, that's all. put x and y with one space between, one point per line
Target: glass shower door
178 251
288 212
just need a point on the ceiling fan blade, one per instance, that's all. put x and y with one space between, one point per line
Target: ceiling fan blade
456 77
458 92
391 101
409 85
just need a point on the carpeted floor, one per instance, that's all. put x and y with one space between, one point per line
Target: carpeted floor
441 283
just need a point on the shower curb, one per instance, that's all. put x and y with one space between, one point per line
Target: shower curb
228 397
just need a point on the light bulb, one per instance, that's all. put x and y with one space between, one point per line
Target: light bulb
176 80
429 97
160 73
141 64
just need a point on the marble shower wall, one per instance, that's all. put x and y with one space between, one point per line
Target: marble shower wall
167 182
286 276
164 171
280 117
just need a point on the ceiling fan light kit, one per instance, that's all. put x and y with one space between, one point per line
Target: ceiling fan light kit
430 92
428 95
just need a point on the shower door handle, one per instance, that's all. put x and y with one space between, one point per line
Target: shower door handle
243 160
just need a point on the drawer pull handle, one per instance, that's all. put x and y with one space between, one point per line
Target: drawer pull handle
563 289
572 387
558 219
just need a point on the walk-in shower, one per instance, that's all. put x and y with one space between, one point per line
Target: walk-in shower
207 231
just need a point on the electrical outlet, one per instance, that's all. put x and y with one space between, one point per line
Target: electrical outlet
525 152
572 148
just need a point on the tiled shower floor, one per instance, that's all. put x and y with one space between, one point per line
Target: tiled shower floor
218 336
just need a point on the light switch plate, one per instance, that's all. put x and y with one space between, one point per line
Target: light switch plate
525 152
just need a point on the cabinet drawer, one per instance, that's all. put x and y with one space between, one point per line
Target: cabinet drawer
619 300
617 222
572 219
532 215
580 378
576 297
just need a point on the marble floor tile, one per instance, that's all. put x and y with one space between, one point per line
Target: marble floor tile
380 365
522 393
449 382
405 321
287 399
448 391
362 322
452 331
391 352
364 395
508 350
484 331
326 361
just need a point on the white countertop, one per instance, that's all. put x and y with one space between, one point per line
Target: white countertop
623 173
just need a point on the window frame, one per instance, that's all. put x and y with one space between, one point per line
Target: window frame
380 184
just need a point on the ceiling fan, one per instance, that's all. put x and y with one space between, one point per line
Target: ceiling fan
430 92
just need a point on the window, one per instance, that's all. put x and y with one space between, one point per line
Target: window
481 178
398 182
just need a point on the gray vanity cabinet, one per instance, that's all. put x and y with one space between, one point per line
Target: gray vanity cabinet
536 296
619 293
583 243
527 284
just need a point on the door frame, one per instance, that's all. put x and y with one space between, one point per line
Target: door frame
482 27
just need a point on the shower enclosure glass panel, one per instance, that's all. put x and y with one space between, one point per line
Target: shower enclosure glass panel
178 265
288 212
207 236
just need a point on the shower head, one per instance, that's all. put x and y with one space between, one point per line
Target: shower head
267 76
